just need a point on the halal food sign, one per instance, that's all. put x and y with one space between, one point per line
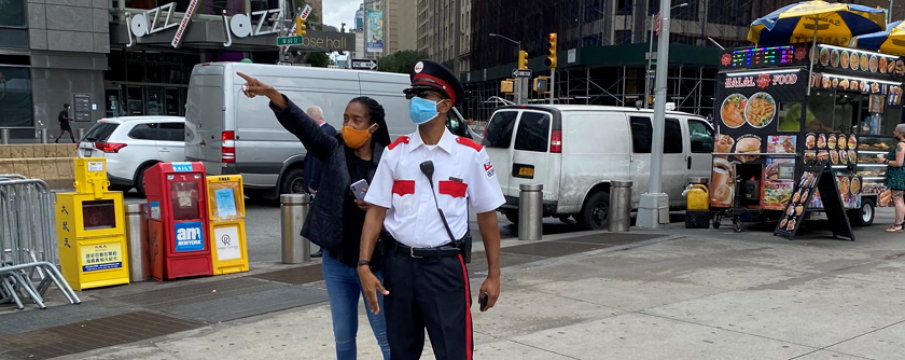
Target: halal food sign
761 80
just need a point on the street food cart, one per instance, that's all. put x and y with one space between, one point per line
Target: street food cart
779 109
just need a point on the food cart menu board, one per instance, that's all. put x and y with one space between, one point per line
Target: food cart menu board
748 123
853 61
814 180
767 57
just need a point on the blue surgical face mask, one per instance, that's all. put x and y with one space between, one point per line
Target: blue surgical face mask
422 110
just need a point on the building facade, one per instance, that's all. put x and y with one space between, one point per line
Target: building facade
439 29
111 58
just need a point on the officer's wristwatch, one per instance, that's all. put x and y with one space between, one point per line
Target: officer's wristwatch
364 262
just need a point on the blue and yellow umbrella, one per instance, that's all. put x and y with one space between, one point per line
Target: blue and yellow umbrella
891 41
831 23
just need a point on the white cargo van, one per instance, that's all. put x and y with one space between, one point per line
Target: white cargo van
576 150
233 134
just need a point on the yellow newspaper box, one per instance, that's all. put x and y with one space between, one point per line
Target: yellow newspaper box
227 217
91 229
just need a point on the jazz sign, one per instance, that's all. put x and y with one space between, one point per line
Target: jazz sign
240 25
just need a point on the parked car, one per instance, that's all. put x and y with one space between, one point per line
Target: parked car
576 150
132 144
233 134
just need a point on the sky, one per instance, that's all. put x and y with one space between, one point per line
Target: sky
337 12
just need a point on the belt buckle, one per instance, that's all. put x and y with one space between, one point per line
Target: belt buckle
412 253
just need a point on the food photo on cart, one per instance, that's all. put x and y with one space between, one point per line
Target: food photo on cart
801 116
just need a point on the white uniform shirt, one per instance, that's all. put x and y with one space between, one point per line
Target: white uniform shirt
462 170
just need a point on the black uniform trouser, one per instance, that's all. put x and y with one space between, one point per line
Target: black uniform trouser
433 293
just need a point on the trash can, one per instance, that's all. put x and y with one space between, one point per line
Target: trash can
531 211
137 242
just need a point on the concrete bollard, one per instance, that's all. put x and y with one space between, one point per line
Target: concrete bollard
43 134
619 216
81 133
138 243
293 211
531 211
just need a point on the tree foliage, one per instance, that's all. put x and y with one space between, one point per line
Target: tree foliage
318 59
401 61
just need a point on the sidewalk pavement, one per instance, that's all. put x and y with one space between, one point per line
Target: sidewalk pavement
687 294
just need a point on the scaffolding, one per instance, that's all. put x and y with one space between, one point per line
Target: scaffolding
690 88
590 23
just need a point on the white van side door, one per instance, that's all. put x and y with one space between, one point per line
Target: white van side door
700 143
673 166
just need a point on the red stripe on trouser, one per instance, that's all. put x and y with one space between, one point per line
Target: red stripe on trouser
468 342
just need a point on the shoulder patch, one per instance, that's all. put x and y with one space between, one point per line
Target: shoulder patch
399 140
470 143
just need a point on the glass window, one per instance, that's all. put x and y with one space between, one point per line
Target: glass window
100 132
172 132
790 116
14 38
821 105
623 36
700 137
672 139
642 132
533 132
15 97
13 14
144 132
499 129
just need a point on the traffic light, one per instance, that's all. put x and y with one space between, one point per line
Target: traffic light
522 59
550 61
541 83
300 26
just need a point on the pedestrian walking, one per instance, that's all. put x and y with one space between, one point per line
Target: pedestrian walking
336 218
312 171
420 195
64 120
895 177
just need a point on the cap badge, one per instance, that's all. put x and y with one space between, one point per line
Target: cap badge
418 67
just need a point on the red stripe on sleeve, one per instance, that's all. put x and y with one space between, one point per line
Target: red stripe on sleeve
403 187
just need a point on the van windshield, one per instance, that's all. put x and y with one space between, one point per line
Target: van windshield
499 129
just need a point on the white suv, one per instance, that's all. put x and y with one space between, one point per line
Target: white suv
132 144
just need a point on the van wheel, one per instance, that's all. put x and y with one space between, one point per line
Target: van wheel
511 215
293 182
595 213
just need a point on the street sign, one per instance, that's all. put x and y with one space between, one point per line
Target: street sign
650 55
289 40
516 73
364 64
284 63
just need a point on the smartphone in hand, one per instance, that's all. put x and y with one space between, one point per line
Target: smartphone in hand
483 301
359 189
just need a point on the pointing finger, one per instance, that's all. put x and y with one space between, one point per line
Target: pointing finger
246 77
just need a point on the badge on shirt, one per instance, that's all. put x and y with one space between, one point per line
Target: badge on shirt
488 169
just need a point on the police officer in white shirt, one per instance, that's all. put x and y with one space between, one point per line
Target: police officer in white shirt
419 193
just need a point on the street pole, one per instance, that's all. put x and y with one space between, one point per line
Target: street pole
364 23
655 200
650 56
552 84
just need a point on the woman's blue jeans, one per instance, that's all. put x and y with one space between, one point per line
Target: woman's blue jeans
344 290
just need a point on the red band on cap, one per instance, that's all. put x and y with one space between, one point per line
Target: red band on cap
435 81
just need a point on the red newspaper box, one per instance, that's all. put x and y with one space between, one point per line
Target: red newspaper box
178 214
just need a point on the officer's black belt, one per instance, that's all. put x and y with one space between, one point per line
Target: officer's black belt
418 253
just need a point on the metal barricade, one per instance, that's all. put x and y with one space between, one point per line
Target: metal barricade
293 211
28 242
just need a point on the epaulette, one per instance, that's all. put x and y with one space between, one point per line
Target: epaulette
470 143
399 140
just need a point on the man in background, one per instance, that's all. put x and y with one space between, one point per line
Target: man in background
64 120
312 171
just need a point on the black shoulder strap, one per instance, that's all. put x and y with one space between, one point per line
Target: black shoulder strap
452 238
